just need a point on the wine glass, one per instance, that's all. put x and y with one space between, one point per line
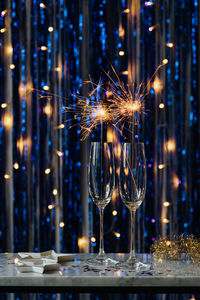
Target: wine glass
101 186
132 187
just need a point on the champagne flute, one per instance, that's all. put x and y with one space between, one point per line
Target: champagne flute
132 187
101 186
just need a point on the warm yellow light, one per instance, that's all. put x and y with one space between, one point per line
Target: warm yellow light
161 105
126 11
9 50
51 206
16 166
117 151
124 73
57 69
117 234
171 145
121 53
16 260
114 195
149 3
12 66
50 29
126 171
82 242
114 213
61 126
8 121
157 85
118 171
43 48
22 90
175 181
47 109
42 5
3 12
59 153
55 192
133 106
100 112
170 45
20 144
168 243
7 176
4 105
165 61
151 28
46 87
47 171
2 30
165 220
62 224
110 135
121 31
161 166
93 239
166 204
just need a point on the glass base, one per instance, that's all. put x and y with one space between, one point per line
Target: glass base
102 260
134 265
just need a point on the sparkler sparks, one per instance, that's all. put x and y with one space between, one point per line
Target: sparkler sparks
91 111
111 103
92 115
123 102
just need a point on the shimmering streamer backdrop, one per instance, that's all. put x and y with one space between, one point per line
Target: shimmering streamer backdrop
47 50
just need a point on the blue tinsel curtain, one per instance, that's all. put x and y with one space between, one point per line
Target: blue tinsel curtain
48 48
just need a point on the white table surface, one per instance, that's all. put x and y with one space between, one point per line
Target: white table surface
75 276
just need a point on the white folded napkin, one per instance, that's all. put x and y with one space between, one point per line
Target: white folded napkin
50 254
41 262
36 268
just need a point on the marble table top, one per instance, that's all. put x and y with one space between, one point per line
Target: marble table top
79 277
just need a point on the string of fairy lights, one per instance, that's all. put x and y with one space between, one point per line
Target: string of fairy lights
8 121
169 146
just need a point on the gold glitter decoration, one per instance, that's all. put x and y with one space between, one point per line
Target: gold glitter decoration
181 246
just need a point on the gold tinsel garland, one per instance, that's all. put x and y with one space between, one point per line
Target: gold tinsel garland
181 246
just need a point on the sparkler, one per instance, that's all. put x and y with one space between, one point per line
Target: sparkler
126 101
92 111
112 103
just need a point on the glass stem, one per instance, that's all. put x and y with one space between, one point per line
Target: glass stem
101 242
132 240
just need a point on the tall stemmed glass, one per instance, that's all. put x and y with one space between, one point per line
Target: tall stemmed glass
101 185
132 187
